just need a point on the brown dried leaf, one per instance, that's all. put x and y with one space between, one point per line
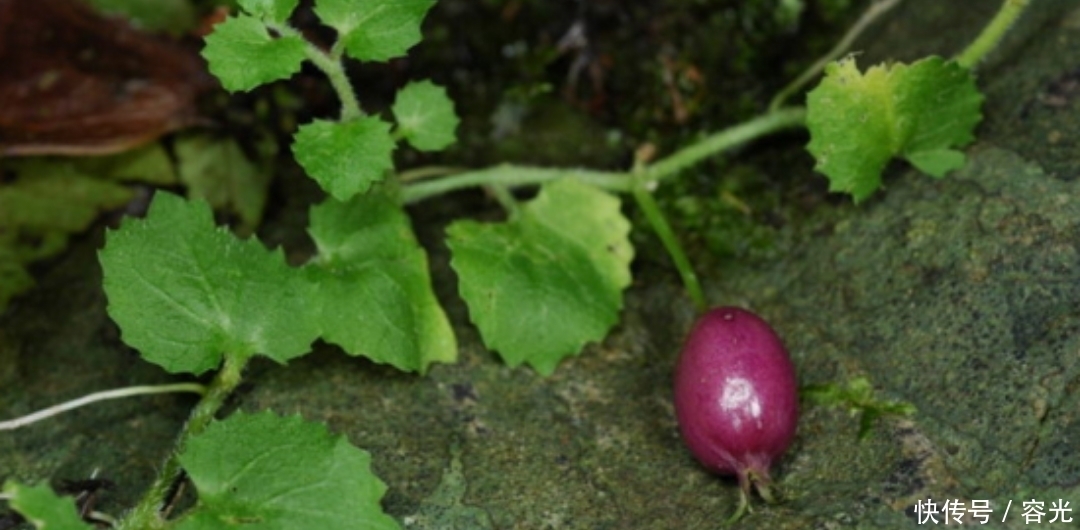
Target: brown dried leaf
73 82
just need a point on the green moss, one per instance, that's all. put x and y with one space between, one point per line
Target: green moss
721 218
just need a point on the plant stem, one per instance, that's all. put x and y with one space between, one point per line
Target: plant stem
427 172
506 200
117 393
871 14
147 514
330 64
993 32
335 72
659 224
511 175
742 133
638 182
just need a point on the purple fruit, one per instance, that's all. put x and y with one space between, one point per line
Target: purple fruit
736 397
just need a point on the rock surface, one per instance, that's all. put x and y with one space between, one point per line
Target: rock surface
960 296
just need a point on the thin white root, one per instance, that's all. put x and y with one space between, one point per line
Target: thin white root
103 518
872 13
118 393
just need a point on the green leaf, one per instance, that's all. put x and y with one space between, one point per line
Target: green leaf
268 472
542 285
375 30
43 508
919 112
14 278
937 163
149 163
372 281
173 16
425 116
185 292
276 11
243 55
50 195
345 158
217 171
45 200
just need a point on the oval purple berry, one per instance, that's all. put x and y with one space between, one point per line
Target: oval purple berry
736 396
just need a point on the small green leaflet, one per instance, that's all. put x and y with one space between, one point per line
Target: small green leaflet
185 292
371 279
347 157
919 112
273 11
542 285
243 55
425 116
43 508
269 472
176 17
375 30
217 170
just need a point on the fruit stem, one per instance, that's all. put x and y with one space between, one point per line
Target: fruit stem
660 225
762 482
741 509
765 490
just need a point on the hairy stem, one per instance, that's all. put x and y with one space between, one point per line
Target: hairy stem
146 515
660 225
427 172
331 65
511 175
638 182
871 14
740 134
993 32
88 399
506 200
